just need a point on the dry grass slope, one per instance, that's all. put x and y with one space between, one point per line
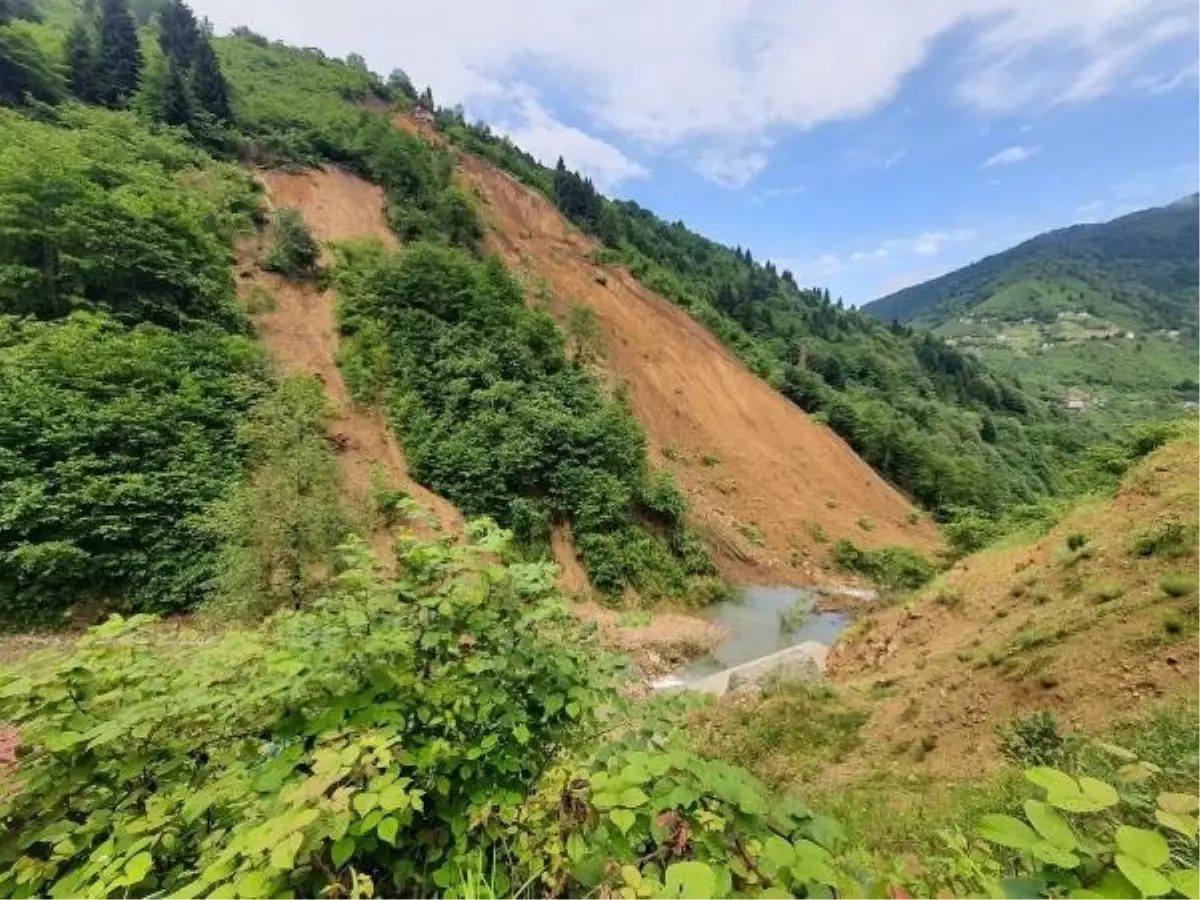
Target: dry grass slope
1095 621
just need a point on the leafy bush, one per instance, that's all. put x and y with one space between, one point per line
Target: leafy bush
113 444
495 417
1035 740
309 754
1169 539
100 213
1063 846
279 528
968 533
293 251
896 568
1076 541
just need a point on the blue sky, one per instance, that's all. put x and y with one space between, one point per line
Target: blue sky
864 144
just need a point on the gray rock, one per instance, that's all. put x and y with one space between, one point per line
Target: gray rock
803 662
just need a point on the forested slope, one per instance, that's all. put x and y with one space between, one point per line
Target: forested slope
1098 318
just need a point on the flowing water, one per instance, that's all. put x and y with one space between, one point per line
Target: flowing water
753 622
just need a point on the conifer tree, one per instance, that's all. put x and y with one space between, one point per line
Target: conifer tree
83 62
120 54
178 34
176 104
209 87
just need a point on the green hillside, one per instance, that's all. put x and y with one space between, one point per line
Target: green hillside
1100 319
280 705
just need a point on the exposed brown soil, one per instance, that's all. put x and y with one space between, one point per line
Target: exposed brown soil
666 642
1090 636
758 471
301 333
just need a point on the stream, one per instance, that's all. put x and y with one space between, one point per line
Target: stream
753 622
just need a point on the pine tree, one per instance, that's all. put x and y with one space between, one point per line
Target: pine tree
120 54
83 63
176 104
208 84
178 34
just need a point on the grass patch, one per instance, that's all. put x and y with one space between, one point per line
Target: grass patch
865 523
1106 590
1177 584
258 300
634 618
818 533
753 534
791 734
709 460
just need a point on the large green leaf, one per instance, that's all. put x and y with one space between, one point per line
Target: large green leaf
1052 780
1146 846
1187 882
1150 882
692 879
1050 824
1180 804
623 819
1055 856
1006 831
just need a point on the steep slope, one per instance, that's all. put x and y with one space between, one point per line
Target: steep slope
1091 316
300 331
760 475
1094 621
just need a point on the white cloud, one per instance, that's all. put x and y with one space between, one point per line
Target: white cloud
791 190
1009 155
670 72
1162 82
927 243
1084 208
731 167
814 269
547 139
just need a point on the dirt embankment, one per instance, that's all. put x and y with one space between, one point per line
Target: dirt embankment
301 333
1076 622
769 487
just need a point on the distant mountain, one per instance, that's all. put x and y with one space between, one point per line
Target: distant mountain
1094 316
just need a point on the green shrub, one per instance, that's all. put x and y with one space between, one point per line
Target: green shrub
1177 584
1076 541
1169 540
969 533
817 532
496 418
278 530
138 437
896 568
293 250
1106 590
301 755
